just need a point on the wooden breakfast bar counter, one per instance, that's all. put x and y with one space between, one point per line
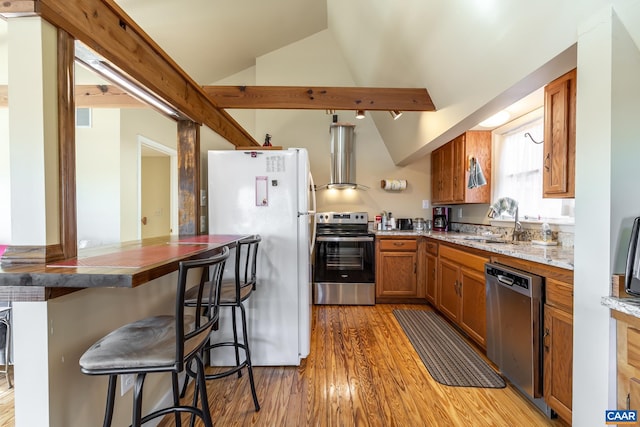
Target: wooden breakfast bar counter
85 298
128 265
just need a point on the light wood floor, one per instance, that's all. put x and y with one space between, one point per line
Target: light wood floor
6 402
362 371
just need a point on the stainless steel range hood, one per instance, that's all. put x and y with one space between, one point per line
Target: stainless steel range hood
342 167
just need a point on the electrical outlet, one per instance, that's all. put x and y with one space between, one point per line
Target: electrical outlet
126 382
425 204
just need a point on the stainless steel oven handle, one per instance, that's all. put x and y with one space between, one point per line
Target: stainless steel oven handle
344 239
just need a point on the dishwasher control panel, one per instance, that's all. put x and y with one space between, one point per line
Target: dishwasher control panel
508 278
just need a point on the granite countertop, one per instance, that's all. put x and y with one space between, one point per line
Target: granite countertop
627 305
557 256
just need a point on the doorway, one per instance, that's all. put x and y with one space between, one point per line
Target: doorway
157 189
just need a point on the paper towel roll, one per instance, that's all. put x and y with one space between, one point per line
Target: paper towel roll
393 184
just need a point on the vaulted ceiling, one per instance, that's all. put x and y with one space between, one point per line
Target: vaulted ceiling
212 39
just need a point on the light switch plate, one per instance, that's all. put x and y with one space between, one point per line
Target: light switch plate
126 382
425 204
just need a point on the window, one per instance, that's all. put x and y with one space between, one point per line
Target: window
518 172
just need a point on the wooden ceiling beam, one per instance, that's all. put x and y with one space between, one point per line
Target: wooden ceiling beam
18 8
93 96
320 98
104 27
105 96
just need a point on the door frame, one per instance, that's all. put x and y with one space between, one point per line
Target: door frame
173 181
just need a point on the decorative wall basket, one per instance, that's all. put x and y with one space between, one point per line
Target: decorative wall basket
393 184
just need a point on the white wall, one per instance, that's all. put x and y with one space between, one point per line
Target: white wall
606 193
318 60
154 126
56 333
107 182
98 179
5 173
5 187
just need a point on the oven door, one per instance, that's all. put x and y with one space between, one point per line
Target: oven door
344 270
344 259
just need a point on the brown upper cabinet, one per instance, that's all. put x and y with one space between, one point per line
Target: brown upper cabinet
560 137
450 169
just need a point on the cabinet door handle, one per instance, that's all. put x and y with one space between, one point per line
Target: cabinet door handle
545 339
546 162
415 267
628 400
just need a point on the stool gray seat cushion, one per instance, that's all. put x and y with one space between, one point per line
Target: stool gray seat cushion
147 344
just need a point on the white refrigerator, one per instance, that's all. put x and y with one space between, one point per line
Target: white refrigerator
268 192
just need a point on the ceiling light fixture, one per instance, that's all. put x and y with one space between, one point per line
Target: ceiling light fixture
395 114
497 119
100 66
360 114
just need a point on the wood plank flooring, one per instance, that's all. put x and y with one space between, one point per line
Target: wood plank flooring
362 371
7 415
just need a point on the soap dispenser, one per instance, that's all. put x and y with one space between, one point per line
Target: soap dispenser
546 232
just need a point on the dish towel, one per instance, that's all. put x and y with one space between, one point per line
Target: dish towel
476 177
503 204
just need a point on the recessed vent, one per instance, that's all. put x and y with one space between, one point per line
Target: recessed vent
83 117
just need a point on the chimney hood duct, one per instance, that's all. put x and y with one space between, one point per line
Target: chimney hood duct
342 170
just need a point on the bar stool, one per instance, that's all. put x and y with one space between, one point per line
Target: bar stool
233 293
166 343
5 319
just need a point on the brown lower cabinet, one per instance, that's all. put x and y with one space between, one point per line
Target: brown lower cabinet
558 346
461 290
451 278
398 268
628 362
557 332
430 270
558 360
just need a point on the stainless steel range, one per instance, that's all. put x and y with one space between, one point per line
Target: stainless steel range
344 260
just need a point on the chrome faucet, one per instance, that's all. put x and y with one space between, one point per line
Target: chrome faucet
517 228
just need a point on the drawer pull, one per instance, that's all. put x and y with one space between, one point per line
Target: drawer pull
398 243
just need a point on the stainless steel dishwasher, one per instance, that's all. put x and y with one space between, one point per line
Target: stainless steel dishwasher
514 328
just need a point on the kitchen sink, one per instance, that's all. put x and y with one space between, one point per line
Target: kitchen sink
490 239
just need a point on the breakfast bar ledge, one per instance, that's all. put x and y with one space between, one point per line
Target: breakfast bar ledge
50 334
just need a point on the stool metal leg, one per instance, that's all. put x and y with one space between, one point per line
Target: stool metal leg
202 387
248 356
176 397
7 344
111 397
136 420
235 338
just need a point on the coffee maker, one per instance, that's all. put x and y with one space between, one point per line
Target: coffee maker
441 216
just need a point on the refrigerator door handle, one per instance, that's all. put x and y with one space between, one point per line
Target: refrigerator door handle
312 212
